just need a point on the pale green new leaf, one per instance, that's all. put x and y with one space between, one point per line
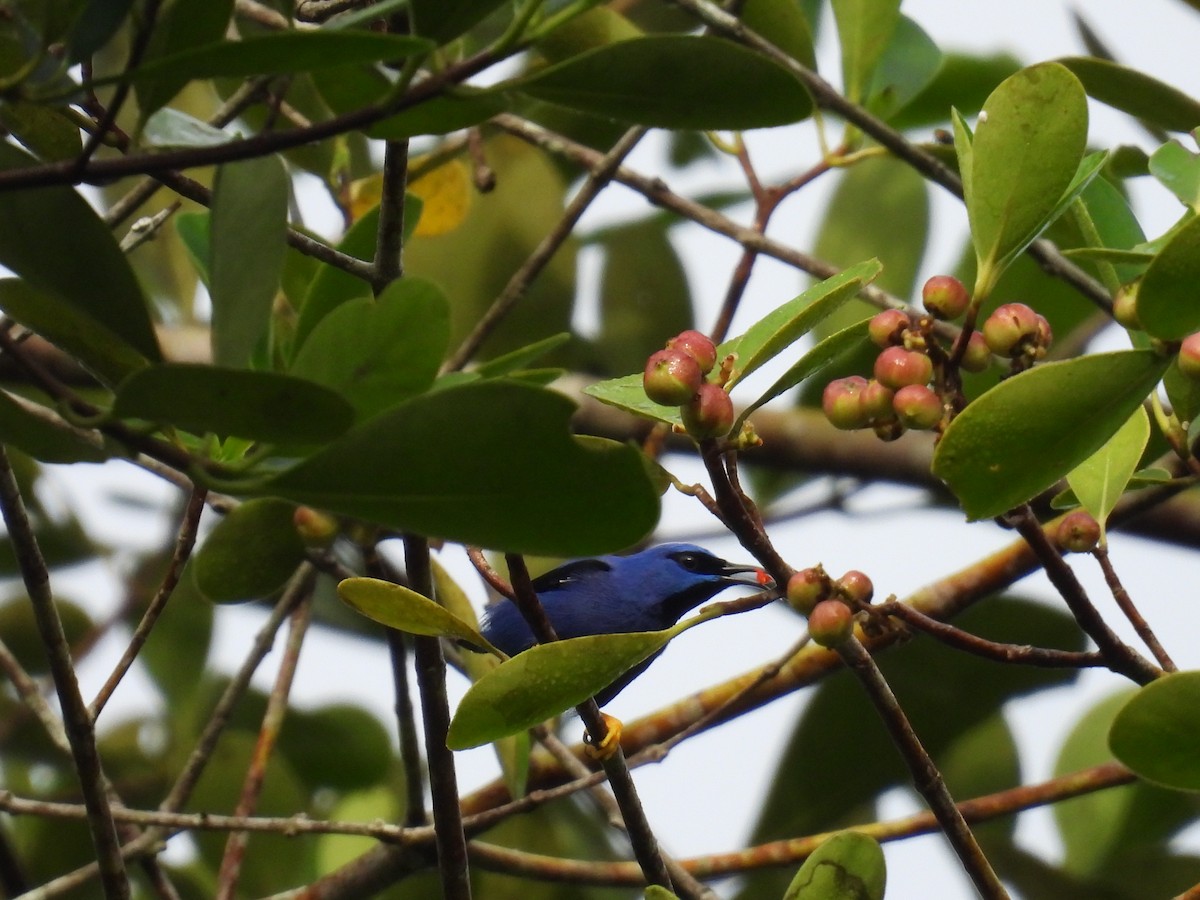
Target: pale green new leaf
1099 480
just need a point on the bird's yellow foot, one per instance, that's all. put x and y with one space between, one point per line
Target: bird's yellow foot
608 744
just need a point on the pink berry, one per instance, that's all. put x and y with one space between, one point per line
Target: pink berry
709 413
917 406
1078 532
830 623
856 587
895 367
697 346
877 401
807 588
887 328
978 356
671 377
842 402
945 297
1189 356
1010 328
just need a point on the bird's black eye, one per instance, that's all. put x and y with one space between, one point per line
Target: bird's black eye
689 561
692 561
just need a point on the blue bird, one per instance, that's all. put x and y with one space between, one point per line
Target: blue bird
646 591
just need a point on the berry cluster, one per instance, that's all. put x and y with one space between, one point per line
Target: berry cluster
910 388
675 376
828 604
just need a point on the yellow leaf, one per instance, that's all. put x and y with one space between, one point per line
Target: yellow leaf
365 194
446 193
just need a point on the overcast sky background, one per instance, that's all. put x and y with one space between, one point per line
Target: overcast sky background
704 797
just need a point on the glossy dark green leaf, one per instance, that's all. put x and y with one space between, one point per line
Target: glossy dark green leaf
1027 432
701 82
1026 150
96 23
46 131
339 747
52 239
865 28
1105 831
783 23
443 20
768 337
1183 392
440 115
1134 92
847 866
1167 304
961 82
490 463
377 353
1155 732
22 427
332 285
247 229
183 26
278 53
1099 480
908 66
405 610
644 295
544 681
263 406
1117 228
1178 169
251 553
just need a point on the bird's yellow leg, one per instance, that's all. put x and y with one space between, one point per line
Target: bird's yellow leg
608 744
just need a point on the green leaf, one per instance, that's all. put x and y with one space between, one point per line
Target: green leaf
490 463
628 394
658 892
52 239
521 357
45 130
333 286
377 353
251 553
1135 92
169 127
1178 169
776 331
440 115
444 20
1027 432
865 29
810 363
247 243
545 680
279 53
1183 392
908 66
1166 302
1026 149
405 610
183 26
34 434
961 82
784 24
1100 479
353 753
262 406
1155 732
700 82
847 866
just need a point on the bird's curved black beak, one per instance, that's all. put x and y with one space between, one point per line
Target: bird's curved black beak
751 575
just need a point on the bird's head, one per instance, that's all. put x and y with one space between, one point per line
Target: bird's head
679 576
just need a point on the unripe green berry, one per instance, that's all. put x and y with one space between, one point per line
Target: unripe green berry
697 346
917 406
807 588
896 367
1125 306
978 356
709 413
842 402
856 587
830 623
945 297
1078 532
886 329
1189 356
671 377
1009 328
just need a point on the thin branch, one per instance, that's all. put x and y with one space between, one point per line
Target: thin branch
443 780
76 720
641 837
185 540
389 243
600 174
1132 613
277 705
